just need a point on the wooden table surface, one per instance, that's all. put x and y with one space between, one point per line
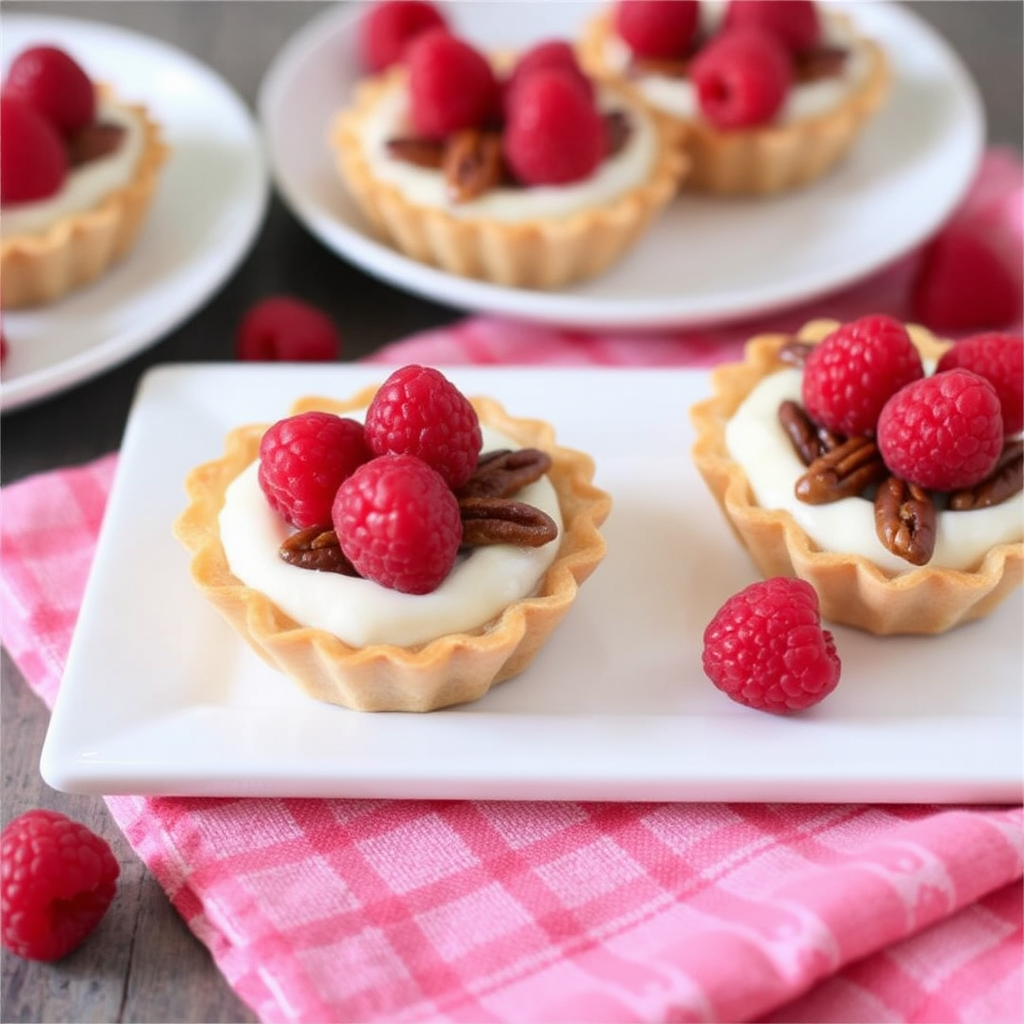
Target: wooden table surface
143 964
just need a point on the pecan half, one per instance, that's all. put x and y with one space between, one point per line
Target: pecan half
92 141
503 472
413 150
502 521
669 67
843 472
808 439
316 549
818 63
1001 484
617 129
472 164
905 520
794 353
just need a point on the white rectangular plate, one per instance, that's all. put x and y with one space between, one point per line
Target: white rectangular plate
161 697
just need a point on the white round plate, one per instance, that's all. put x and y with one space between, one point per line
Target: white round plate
706 260
209 206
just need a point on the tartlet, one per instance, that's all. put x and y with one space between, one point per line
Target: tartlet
450 669
852 589
533 251
757 161
40 267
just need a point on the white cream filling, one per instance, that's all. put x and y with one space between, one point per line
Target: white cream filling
627 169
86 186
755 439
362 612
678 97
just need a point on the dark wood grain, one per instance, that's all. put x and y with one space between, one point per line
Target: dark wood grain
143 964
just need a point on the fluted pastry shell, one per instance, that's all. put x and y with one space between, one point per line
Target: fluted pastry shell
542 253
452 669
852 590
768 159
39 268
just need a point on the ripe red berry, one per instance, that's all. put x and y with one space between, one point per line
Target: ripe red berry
304 459
765 647
398 523
555 53
850 375
657 28
33 161
943 432
51 81
742 78
962 284
57 879
418 411
451 85
389 27
554 134
284 329
793 22
999 358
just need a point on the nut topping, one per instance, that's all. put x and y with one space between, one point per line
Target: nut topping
794 353
503 521
316 549
905 520
820 62
421 152
1001 484
502 473
843 472
809 440
472 164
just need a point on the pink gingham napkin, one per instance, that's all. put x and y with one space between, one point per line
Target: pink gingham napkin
374 910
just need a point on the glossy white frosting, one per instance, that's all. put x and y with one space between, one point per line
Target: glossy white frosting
86 186
627 169
678 97
758 443
362 612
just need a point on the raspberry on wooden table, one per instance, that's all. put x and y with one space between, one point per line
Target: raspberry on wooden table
742 78
398 523
851 374
451 85
999 358
553 53
284 329
765 647
52 81
418 411
389 27
57 879
554 134
657 28
33 161
303 461
793 22
943 432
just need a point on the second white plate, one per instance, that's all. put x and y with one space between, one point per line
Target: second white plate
705 260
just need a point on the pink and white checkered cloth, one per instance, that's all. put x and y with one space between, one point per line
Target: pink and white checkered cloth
345 910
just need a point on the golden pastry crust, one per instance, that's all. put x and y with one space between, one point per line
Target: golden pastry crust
852 591
452 669
539 254
40 268
765 160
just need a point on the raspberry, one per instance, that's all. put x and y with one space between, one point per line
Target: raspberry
999 358
793 22
766 648
742 78
657 28
52 82
962 284
285 329
390 27
853 372
555 53
304 459
418 411
943 432
554 133
398 523
33 163
57 879
451 85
